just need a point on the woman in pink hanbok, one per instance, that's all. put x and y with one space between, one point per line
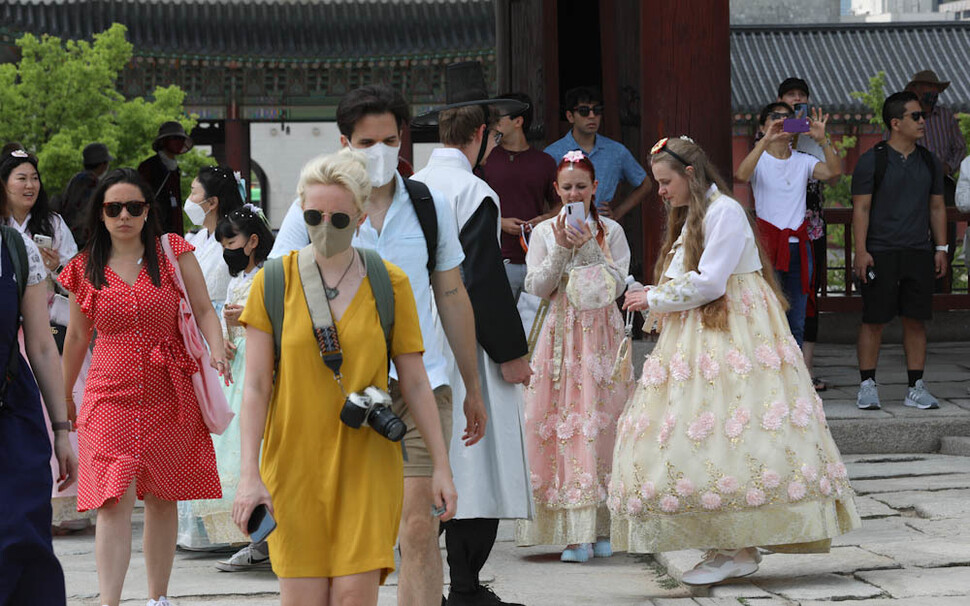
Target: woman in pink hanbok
575 396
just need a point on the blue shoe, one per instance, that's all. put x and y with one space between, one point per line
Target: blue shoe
602 549
580 554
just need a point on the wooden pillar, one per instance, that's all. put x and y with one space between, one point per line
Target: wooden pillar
550 62
685 51
237 149
610 66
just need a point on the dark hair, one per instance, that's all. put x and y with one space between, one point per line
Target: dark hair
526 114
220 182
247 222
11 146
93 167
895 106
98 245
581 94
368 100
40 214
771 107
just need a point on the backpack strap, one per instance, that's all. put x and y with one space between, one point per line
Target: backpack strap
882 161
14 244
380 284
427 216
274 290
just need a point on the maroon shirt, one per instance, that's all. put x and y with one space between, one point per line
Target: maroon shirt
524 184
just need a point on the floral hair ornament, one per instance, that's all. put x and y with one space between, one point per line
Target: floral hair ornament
573 157
249 206
661 146
19 153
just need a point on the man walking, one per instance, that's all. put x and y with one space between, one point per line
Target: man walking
492 477
163 176
74 200
897 200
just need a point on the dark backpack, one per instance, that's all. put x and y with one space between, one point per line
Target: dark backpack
881 150
14 243
427 216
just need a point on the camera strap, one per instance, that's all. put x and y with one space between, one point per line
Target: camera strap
324 329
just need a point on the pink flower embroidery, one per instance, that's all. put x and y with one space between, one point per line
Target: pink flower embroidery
667 428
809 473
679 368
728 484
767 357
819 409
733 428
614 503
775 415
755 497
626 425
591 427
634 505
803 413
709 366
585 480
642 424
546 431
552 495
535 479
573 495
796 490
770 478
654 374
825 486
789 354
711 500
738 362
567 427
647 491
743 415
837 470
669 503
684 487
747 302
701 427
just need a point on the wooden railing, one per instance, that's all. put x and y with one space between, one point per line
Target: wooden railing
838 271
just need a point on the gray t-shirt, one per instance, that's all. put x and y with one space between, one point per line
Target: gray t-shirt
899 217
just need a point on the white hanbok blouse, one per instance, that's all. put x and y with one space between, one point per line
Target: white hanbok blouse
208 251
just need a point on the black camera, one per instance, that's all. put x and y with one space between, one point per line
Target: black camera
372 407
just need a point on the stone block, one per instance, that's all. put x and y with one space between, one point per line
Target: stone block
819 587
940 504
946 528
931 552
881 466
879 530
917 582
922 483
922 601
847 409
869 508
840 560
955 445
739 588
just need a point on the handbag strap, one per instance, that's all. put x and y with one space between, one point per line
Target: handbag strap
173 261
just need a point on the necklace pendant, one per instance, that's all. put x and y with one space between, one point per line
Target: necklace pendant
330 292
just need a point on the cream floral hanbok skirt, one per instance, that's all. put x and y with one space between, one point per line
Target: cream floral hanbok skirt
724 443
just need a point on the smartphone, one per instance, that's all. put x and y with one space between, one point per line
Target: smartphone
43 241
801 110
260 524
575 215
796 125
438 511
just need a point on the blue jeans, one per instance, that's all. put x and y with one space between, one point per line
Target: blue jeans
791 285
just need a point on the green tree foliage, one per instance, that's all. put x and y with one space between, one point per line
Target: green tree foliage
874 97
63 95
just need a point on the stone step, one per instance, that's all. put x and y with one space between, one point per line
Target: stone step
955 445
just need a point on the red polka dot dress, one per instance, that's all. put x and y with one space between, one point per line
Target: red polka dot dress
139 419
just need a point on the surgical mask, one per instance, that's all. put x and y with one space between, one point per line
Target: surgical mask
236 259
329 240
195 212
930 98
381 163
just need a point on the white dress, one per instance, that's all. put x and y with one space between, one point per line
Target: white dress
208 250
724 444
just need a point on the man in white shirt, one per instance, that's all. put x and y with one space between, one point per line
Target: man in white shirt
779 177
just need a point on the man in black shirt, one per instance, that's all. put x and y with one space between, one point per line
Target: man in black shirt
897 199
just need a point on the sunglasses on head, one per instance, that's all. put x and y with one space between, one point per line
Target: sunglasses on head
314 217
135 208
584 110
917 116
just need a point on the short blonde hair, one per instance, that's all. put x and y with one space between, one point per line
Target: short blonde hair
346 168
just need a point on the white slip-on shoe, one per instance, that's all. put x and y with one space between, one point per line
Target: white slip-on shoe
719 565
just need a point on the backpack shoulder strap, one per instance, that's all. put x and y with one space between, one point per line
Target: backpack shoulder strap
927 157
427 216
380 283
274 290
882 161
18 256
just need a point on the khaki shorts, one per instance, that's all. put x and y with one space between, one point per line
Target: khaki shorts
418 462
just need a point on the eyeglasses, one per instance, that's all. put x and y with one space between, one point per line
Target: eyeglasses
917 116
135 208
661 146
780 115
584 110
314 217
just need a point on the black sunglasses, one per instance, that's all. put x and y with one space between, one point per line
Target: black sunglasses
338 220
780 115
135 208
917 116
584 110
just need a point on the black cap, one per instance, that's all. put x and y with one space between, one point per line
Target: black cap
793 84
96 153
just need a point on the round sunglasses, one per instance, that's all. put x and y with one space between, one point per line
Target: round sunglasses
135 208
314 217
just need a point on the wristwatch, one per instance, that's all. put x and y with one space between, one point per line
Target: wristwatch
944 248
62 426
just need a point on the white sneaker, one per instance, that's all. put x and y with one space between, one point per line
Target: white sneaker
161 601
251 557
719 565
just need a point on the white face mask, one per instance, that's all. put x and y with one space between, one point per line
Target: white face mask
195 212
381 162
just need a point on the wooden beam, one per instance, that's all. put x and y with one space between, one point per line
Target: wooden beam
550 66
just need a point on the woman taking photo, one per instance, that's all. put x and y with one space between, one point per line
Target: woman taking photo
30 573
335 491
573 401
140 428
724 444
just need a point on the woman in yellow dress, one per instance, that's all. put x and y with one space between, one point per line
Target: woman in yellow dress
334 491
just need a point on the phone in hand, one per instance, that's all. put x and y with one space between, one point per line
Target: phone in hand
801 110
576 215
43 241
796 125
260 524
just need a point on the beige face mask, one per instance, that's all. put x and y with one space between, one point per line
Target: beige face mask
329 240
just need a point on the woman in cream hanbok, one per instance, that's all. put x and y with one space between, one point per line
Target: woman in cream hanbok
575 397
724 445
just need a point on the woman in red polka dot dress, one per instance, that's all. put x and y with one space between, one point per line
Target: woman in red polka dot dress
140 430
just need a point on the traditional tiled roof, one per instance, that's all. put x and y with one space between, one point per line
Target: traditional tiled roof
838 59
312 31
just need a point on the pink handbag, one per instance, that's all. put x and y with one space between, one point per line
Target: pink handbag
208 391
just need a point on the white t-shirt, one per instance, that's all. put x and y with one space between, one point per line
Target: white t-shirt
779 189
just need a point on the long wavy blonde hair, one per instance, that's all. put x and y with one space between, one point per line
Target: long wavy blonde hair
690 219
